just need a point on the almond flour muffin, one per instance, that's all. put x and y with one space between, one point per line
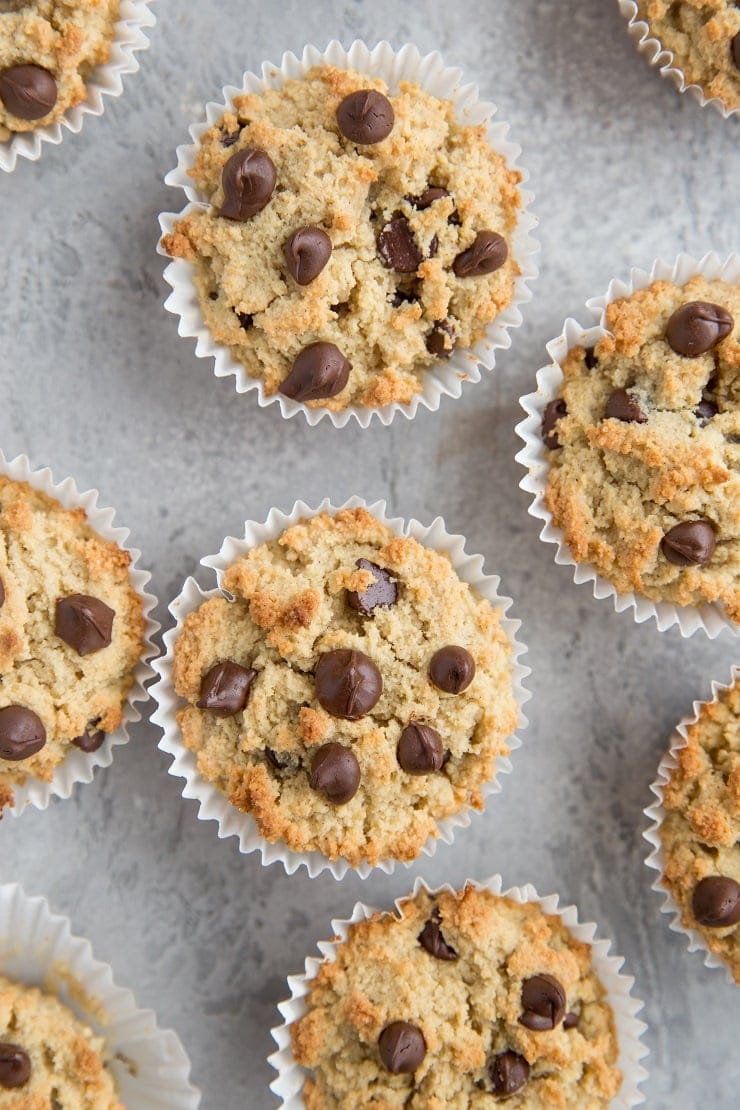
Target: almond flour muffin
465 1000
71 633
700 832
47 50
351 237
644 446
352 694
49 1060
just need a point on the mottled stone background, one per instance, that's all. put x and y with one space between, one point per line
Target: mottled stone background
97 384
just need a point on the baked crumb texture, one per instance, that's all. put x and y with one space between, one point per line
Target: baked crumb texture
700 833
467 1007
702 37
618 484
291 607
48 553
63 1058
66 38
387 323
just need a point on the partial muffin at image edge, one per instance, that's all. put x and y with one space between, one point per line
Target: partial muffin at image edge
348 690
353 237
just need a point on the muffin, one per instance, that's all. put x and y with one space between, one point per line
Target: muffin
48 1059
700 832
71 633
704 37
351 237
346 689
643 446
48 48
463 1000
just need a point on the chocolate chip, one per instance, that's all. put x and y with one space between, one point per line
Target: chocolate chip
488 253
248 181
420 750
319 371
22 733
28 91
229 138
696 327
716 901
590 358
246 319
89 741
402 1047
441 339
433 247
225 688
432 940
306 252
454 219
274 760
543 1003
554 411
335 773
404 296
366 117
570 1021
705 411
382 592
15 1066
735 50
622 406
452 669
397 246
689 544
213 295
348 684
427 198
2 593
83 622
509 1072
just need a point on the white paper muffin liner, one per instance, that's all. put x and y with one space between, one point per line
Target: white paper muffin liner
291 1076
442 379
656 813
213 805
38 949
79 766
711 618
652 49
135 19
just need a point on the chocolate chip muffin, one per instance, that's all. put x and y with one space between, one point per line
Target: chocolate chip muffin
71 633
49 1060
463 1000
351 237
700 832
644 446
48 48
704 36
350 692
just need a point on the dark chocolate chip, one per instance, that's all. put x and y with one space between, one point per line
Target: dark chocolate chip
404 296
229 138
348 684
22 733
696 327
246 319
543 1003
248 180
319 371
441 339
225 688
366 117
335 773
433 246
454 219
428 197
735 50
83 622
15 1066
89 741
274 760
452 669
2 593
382 592
306 252
509 1072
689 544
716 901
554 411
420 750
570 1021
432 940
488 253
402 1047
397 246
622 406
590 358
705 411
28 91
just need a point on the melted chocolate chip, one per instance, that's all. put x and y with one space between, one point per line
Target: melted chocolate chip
554 411
380 594
335 773
696 327
543 1003
348 684
432 940
590 358
229 138
248 181
716 902
365 117
89 740
427 198
420 750
402 1047
28 91
83 622
441 339
22 733
622 406
570 1021
225 688
689 544
319 371
397 246
15 1066
306 252
487 253
452 669
705 411
509 1072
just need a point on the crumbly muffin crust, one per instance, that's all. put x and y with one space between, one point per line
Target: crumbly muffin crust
467 1008
69 38
67 1059
616 486
380 319
700 832
290 609
47 553
701 35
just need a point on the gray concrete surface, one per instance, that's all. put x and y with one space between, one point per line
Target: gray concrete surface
96 383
